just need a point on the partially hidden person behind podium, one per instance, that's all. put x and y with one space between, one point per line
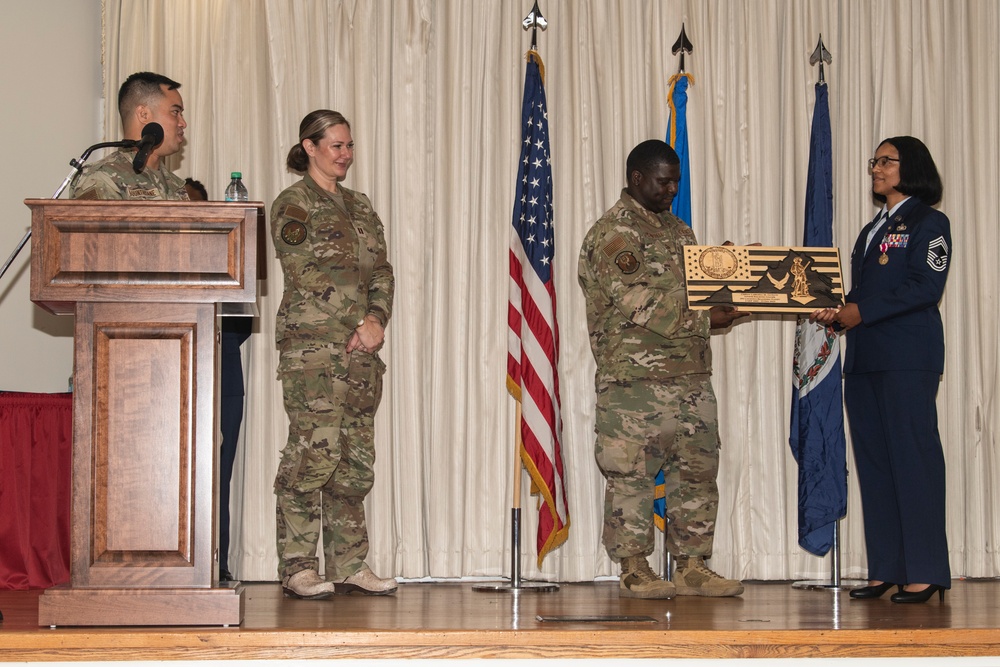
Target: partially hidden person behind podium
144 98
331 323
892 369
235 331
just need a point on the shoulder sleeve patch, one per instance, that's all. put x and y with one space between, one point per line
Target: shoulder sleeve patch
627 262
294 212
89 193
937 254
614 246
293 232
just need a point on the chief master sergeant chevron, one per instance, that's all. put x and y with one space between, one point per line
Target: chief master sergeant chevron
655 404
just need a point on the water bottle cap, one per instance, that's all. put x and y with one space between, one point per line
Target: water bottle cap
237 174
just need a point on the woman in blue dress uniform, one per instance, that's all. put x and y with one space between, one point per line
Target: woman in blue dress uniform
893 365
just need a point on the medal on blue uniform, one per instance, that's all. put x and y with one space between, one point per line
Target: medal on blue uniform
884 257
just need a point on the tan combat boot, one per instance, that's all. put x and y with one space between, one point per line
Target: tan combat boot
366 582
692 577
639 581
306 585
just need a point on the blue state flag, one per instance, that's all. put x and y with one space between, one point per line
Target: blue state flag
817 421
677 137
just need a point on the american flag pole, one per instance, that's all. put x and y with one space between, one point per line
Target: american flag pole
515 507
532 357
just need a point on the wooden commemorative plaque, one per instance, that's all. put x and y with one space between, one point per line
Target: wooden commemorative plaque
763 279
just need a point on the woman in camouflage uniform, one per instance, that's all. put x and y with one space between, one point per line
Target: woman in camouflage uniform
331 323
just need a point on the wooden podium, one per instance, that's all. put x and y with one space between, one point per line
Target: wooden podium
145 281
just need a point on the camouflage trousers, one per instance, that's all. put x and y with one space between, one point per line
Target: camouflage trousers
643 426
327 466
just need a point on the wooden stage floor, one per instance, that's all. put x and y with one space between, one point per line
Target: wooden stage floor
451 620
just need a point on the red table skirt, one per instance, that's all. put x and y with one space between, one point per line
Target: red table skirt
36 441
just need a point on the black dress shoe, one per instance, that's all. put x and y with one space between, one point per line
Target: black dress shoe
918 596
871 592
225 575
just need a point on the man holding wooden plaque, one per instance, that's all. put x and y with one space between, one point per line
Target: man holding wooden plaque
655 405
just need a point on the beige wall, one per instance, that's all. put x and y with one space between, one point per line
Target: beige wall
51 112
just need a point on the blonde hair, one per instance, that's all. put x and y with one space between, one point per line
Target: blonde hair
312 127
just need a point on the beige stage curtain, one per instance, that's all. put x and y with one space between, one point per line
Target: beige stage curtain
433 89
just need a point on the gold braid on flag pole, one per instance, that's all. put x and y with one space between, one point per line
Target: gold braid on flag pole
513 389
532 54
670 102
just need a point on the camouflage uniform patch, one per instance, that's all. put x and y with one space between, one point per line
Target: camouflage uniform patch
293 233
614 246
627 262
89 193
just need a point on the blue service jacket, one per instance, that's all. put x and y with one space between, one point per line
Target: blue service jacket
901 325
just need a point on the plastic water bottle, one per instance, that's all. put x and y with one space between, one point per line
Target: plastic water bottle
236 191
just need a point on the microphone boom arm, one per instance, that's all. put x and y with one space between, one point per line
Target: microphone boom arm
77 163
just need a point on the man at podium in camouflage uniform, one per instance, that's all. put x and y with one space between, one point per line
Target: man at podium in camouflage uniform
144 98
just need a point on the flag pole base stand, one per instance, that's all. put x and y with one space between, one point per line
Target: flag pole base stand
823 585
835 582
515 584
523 587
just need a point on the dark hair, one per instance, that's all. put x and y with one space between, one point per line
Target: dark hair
649 154
312 127
918 176
142 88
197 187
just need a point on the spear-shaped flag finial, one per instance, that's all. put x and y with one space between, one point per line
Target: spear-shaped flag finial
533 21
682 45
821 55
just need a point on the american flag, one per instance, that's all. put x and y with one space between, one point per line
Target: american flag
533 334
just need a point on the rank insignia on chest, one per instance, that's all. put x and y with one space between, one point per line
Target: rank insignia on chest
293 232
627 262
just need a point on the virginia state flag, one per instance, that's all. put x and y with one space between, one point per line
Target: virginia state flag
817 422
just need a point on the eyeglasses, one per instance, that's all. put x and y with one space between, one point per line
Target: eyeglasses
880 162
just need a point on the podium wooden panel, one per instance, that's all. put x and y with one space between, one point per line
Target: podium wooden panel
145 281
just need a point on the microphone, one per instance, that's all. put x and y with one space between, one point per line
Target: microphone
152 136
